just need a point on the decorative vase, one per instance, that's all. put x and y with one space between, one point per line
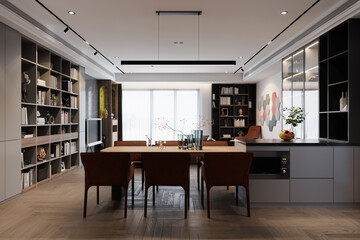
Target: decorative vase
342 102
198 139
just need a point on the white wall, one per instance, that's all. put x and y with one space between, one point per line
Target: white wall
264 87
204 89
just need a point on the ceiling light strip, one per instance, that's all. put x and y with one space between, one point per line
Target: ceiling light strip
178 62
178 12
308 9
69 28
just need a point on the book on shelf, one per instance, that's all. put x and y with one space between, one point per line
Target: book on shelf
225 100
53 81
73 102
40 120
65 148
24 116
73 147
41 82
236 90
74 73
41 97
27 178
213 104
66 85
22 160
64 117
30 135
227 90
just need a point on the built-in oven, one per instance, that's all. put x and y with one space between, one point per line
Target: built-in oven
270 165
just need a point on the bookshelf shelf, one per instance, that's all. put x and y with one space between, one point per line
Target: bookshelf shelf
49 114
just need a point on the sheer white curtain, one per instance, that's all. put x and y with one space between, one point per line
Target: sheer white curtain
156 112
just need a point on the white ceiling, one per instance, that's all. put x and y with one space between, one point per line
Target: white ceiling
130 29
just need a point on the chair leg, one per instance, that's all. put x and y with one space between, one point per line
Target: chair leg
126 197
248 201
202 191
132 190
153 189
237 194
186 200
142 178
145 204
198 174
97 194
85 201
208 201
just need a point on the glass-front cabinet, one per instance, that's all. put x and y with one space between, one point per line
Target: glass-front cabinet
300 88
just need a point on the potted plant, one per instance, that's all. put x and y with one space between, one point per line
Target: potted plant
294 116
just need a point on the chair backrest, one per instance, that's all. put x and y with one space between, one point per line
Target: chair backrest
253 133
130 143
215 143
106 168
171 169
171 143
227 168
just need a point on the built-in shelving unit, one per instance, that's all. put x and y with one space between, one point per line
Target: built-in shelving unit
233 109
50 114
339 79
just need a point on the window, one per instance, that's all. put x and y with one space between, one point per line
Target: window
144 110
301 89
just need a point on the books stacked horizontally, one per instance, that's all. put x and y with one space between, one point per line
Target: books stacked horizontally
27 178
41 82
73 102
24 116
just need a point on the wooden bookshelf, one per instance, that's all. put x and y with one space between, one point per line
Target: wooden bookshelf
233 109
50 113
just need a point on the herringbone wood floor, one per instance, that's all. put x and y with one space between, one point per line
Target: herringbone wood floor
54 211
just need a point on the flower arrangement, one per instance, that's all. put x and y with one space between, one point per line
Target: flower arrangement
163 124
203 122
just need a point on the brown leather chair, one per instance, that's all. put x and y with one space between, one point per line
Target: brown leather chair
224 169
135 158
201 158
107 169
169 169
254 132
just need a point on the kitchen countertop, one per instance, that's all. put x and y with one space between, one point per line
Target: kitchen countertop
294 142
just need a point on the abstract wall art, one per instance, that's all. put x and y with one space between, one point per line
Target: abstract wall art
269 110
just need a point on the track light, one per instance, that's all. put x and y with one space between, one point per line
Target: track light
66 29
95 53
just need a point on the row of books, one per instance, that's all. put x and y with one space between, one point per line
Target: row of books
66 86
53 81
229 90
73 102
27 178
24 116
225 100
239 122
73 147
65 148
64 117
55 150
74 73
41 97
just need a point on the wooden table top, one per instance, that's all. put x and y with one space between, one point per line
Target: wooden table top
172 149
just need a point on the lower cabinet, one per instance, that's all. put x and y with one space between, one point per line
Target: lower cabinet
271 191
13 166
343 174
311 190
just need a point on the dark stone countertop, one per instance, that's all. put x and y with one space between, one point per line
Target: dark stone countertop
294 142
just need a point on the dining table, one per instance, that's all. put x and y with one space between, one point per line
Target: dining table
116 192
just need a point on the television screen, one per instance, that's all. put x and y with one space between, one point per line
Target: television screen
93 131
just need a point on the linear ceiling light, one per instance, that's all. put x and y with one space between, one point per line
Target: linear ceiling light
178 12
179 62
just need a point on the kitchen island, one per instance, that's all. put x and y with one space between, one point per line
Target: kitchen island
303 171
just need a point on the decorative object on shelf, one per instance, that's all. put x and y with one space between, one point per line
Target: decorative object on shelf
343 102
41 154
25 84
49 119
240 133
224 112
241 111
295 116
286 135
53 99
197 138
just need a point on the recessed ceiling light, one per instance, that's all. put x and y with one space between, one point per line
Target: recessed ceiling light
284 12
116 57
240 57
71 12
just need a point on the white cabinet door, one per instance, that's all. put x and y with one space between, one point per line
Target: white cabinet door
311 190
2 171
12 168
311 162
343 174
269 191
